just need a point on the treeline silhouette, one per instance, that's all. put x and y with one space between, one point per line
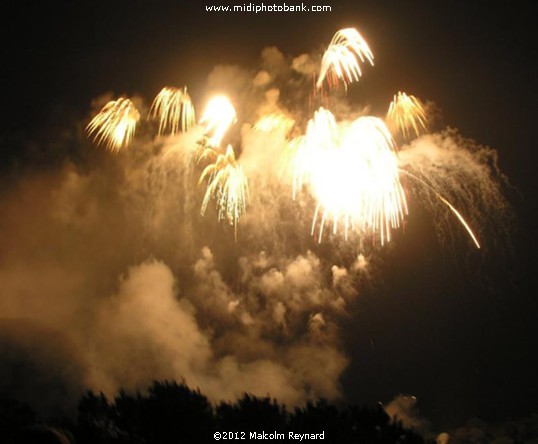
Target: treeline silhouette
171 412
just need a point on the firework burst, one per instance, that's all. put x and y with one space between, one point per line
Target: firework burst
227 184
352 171
351 168
340 62
115 124
406 113
174 110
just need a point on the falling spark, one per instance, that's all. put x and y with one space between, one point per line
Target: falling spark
173 108
227 184
217 118
406 113
341 59
115 124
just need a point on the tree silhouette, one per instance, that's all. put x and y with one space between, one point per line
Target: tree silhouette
171 412
253 414
320 417
95 421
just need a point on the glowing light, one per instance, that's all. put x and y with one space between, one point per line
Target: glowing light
217 118
227 184
406 113
115 124
341 59
173 108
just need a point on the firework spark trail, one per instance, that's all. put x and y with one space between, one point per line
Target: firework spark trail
218 116
406 113
173 108
341 59
227 184
115 124
448 204
465 175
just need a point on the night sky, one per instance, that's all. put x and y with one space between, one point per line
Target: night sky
454 327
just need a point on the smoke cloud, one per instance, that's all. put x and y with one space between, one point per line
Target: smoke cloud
404 409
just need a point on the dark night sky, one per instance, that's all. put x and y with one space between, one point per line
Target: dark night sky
463 341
